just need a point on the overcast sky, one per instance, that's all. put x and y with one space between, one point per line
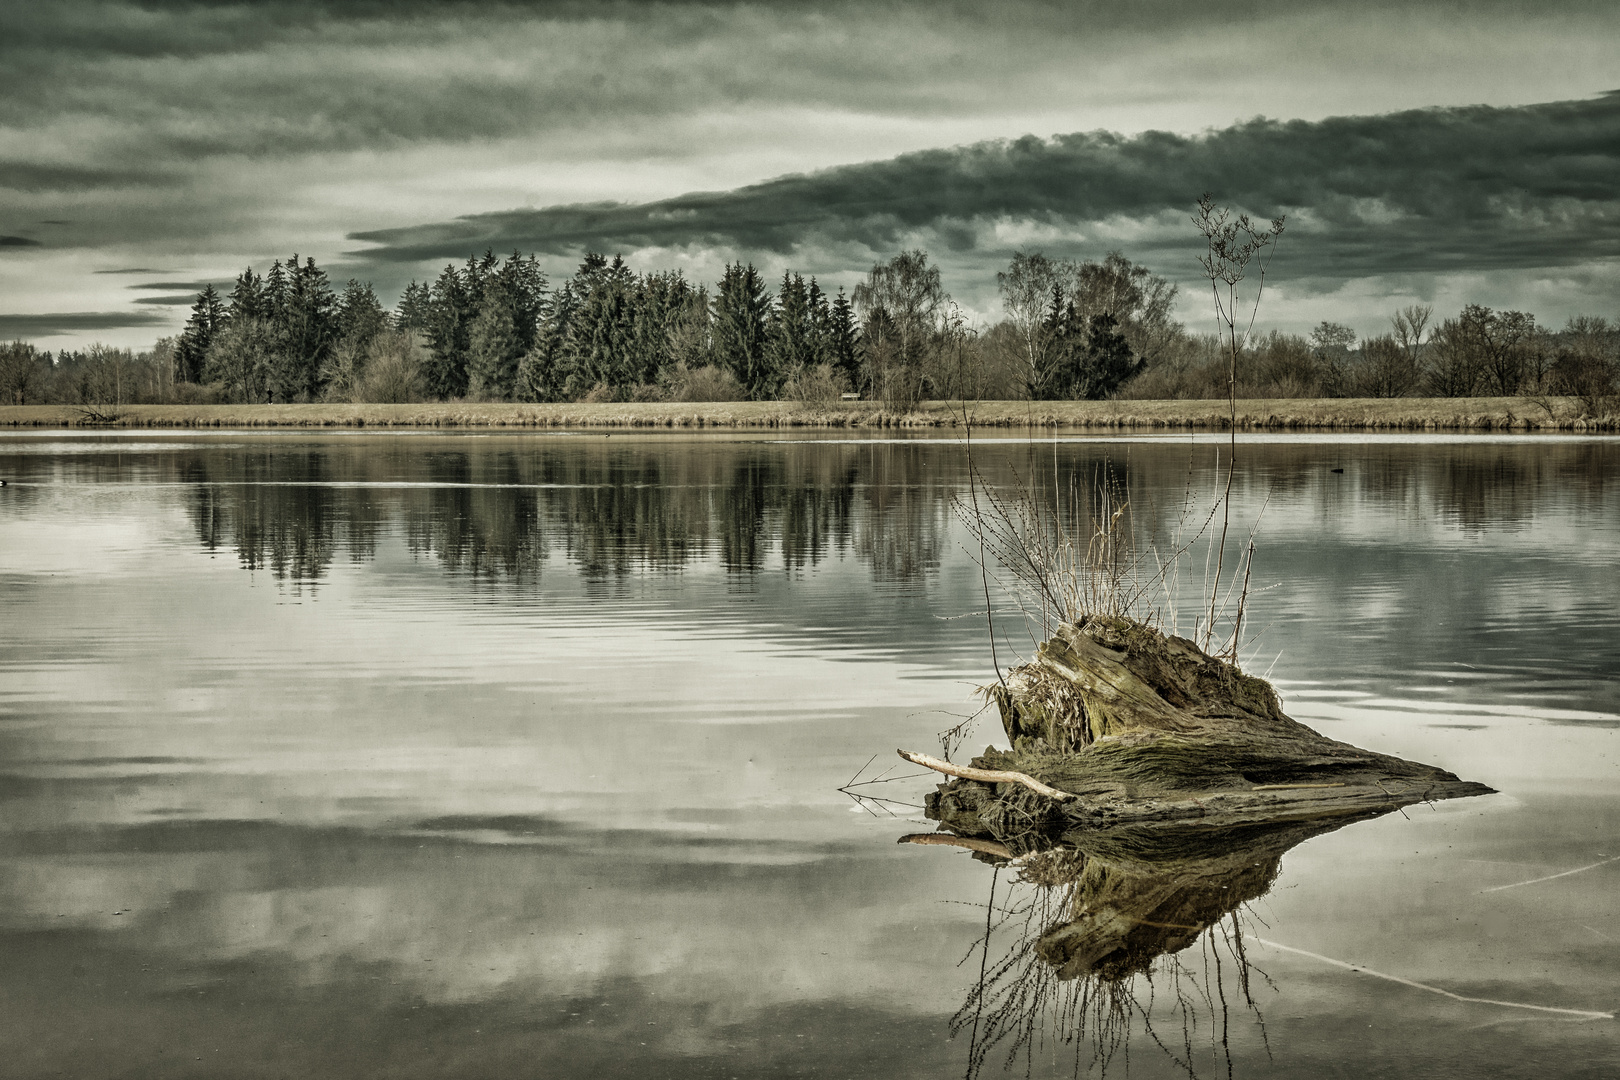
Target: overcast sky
1437 152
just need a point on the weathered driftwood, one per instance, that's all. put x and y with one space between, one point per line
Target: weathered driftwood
1139 726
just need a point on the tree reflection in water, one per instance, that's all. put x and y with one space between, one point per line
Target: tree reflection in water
611 511
1082 947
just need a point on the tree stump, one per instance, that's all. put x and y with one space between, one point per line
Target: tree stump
1138 726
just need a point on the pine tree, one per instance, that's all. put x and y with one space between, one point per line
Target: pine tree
274 293
547 369
820 324
308 324
449 316
1087 356
741 306
494 346
844 339
247 300
1109 359
414 309
191 351
1062 330
360 316
525 290
272 321
789 343
663 304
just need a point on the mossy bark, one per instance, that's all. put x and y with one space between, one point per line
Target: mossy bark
1141 726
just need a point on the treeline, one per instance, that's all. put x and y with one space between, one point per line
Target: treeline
494 330
497 330
1479 352
97 377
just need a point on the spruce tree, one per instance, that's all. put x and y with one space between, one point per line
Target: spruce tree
600 337
844 339
274 293
601 327
741 306
1088 357
820 314
449 316
494 346
789 343
247 299
308 323
544 372
661 301
1063 330
415 308
360 316
524 288
191 351
271 330
1109 359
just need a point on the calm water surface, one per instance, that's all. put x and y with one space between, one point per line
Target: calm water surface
483 755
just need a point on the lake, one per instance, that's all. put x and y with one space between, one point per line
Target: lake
505 755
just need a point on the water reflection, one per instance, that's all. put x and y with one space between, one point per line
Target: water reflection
521 749
499 507
1081 947
612 512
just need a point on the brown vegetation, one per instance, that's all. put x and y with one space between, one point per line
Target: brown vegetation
1278 414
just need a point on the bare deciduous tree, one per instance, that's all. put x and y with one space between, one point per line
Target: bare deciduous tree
900 303
1027 286
19 372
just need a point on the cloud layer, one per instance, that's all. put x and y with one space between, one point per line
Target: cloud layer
202 136
1419 191
53 324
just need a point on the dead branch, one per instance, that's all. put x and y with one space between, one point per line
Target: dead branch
989 776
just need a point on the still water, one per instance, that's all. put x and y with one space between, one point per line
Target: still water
482 755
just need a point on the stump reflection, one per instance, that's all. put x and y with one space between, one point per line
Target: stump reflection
1095 938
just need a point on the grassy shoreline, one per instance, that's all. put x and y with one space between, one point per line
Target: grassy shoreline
1280 414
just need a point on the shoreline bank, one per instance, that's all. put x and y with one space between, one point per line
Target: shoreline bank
1281 414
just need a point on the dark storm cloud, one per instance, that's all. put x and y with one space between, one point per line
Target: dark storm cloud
167 286
1423 190
34 177
285 78
179 300
202 79
68 322
17 241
